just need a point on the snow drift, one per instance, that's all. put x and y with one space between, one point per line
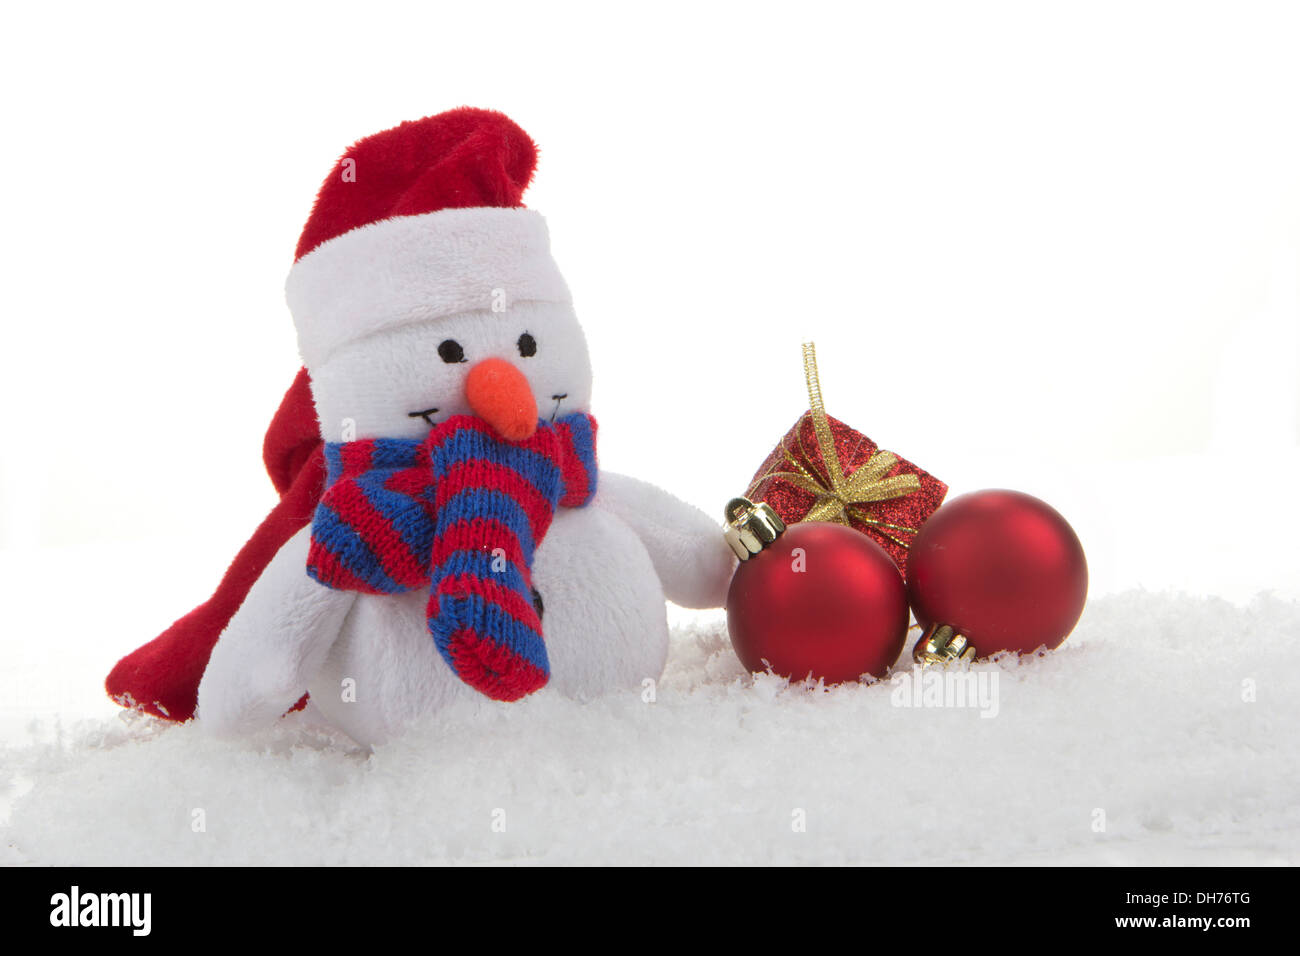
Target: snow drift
1162 731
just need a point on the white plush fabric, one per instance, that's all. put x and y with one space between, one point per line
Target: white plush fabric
690 556
413 268
604 622
272 646
368 389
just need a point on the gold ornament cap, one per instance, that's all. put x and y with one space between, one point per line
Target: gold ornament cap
751 527
942 644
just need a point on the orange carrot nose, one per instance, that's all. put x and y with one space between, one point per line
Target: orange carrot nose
499 393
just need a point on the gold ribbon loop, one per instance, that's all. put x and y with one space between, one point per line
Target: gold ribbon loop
841 495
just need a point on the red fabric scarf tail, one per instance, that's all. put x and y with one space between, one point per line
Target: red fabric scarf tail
162 677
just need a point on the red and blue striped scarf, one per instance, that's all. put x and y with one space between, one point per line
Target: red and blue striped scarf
461 513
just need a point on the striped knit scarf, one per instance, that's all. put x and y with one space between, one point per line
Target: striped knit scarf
461 513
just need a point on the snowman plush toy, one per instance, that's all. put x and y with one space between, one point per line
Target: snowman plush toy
443 530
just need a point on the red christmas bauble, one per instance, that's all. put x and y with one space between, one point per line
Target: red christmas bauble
820 600
1000 567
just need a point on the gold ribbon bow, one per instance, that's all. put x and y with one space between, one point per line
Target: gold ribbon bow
841 497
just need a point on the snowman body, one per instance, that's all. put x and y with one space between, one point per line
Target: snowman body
603 619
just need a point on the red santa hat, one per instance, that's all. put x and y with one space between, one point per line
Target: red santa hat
418 222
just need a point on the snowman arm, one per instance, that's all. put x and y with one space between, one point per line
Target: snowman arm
687 549
273 645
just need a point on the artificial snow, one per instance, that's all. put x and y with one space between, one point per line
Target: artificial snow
1163 731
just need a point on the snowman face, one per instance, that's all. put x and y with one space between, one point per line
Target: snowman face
400 382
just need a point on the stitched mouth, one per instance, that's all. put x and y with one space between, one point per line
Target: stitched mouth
558 398
427 415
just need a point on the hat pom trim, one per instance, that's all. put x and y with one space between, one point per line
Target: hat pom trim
409 269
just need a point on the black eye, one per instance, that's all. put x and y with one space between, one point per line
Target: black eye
451 352
527 345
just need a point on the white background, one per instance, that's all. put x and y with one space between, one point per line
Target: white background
1048 246
1044 246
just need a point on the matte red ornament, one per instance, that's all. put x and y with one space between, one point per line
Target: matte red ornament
821 600
1001 568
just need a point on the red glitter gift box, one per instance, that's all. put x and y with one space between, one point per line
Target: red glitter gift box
823 470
